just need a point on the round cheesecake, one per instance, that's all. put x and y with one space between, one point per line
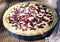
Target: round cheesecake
29 18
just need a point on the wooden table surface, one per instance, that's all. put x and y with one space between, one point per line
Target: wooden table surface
4 36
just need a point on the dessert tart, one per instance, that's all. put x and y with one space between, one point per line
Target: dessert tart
29 18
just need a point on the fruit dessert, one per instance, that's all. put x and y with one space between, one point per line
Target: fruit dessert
28 19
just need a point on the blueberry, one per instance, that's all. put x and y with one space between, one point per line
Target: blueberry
51 18
40 26
50 22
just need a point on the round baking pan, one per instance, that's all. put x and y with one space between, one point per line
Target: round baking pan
39 36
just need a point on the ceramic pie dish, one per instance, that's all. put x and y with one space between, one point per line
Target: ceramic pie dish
30 20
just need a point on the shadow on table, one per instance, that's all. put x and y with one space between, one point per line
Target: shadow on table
2 29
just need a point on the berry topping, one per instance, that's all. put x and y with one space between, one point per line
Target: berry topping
28 16
41 26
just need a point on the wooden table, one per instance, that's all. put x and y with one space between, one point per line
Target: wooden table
4 36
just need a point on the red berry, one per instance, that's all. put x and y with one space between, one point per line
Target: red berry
41 27
37 22
44 15
36 5
22 16
46 20
15 28
24 24
31 15
37 16
31 6
25 29
41 18
29 27
17 18
34 28
12 22
17 14
32 20
40 15
26 17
